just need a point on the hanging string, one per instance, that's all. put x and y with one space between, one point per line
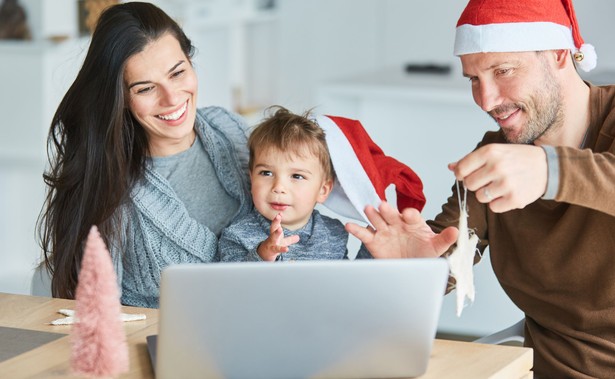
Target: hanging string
461 260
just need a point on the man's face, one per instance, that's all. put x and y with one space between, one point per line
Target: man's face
518 90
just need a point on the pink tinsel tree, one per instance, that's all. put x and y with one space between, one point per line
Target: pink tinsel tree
99 346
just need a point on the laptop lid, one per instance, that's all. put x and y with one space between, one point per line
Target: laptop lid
316 319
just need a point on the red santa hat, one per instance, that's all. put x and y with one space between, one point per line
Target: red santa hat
363 172
522 25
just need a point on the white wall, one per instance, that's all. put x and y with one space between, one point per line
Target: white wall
34 77
51 18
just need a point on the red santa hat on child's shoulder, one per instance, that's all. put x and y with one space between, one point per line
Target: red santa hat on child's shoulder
363 171
522 25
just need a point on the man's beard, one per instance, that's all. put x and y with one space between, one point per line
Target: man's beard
544 110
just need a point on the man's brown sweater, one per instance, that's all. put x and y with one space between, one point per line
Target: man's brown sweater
556 258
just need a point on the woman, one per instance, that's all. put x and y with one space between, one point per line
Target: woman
130 153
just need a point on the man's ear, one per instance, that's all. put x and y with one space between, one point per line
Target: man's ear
325 190
563 57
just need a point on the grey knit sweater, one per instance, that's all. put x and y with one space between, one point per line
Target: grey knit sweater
159 230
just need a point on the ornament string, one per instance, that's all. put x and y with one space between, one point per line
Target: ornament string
461 260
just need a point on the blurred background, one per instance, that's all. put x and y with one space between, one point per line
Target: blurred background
388 63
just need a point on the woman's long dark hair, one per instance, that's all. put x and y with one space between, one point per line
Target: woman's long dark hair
96 149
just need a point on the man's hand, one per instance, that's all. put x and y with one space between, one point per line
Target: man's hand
276 244
401 235
507 176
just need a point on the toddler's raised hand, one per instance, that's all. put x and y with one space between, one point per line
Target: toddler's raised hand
276 244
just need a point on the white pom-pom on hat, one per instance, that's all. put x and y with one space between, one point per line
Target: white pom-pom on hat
586 58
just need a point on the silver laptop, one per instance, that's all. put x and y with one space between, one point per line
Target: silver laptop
317 319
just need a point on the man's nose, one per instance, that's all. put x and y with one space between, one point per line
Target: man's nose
487 96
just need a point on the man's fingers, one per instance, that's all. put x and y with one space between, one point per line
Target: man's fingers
471 162
443 241
365 235
452 166
501 205
375 218
390 215
411 216
382 217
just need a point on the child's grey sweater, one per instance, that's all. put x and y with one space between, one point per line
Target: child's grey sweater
321 238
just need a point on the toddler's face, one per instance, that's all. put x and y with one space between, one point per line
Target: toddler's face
289 184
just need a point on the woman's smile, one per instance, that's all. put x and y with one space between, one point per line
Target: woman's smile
175 115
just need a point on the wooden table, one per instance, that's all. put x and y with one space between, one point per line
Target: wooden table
449 359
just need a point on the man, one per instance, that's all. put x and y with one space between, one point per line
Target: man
541 189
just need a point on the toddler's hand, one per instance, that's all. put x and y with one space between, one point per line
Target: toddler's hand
276 244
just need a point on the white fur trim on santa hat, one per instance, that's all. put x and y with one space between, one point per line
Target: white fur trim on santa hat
512 37
353 190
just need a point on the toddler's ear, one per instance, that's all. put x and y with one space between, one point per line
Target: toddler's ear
325 190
